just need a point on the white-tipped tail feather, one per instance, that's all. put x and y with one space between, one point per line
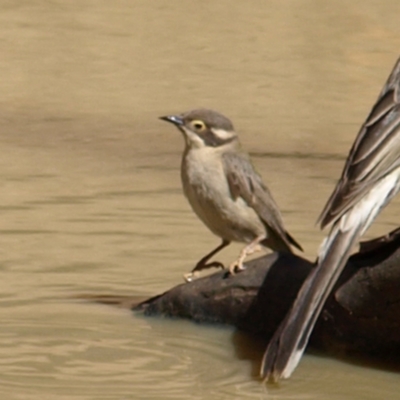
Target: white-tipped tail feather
290 340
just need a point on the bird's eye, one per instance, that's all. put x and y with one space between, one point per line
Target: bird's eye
198 125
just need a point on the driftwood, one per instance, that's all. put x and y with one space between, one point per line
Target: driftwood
362 314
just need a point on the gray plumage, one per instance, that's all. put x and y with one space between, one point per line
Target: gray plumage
223 188
370 179
374 154
245 183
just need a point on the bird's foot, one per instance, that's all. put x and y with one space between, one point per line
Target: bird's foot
252 247
236 266
194 274
190 276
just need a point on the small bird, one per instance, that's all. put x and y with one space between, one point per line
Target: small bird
224 190
370 179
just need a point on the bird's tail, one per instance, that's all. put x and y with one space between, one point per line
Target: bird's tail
290 340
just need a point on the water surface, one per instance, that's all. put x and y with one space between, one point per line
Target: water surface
91 199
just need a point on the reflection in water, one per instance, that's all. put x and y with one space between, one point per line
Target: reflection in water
91 199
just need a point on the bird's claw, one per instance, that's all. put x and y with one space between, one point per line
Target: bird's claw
190 276
236 267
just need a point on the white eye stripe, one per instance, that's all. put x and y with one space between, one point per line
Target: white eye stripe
223 134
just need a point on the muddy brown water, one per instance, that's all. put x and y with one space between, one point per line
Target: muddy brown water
90 192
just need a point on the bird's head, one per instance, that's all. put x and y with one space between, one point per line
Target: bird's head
204 128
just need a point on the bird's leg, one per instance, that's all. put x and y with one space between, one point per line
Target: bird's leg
253 246
202 264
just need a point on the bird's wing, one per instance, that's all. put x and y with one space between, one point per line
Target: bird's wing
286 347
374 154
370 179
244 182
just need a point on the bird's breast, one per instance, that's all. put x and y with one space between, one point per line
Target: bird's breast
206 187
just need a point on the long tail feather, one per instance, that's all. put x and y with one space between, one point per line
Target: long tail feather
289 342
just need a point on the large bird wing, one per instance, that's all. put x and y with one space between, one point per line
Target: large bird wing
374 154
244 182
369 181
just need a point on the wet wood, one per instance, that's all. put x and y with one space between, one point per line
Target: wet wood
362 314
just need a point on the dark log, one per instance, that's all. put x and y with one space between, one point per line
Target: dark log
361 315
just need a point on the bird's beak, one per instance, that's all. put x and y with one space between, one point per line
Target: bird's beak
174 119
